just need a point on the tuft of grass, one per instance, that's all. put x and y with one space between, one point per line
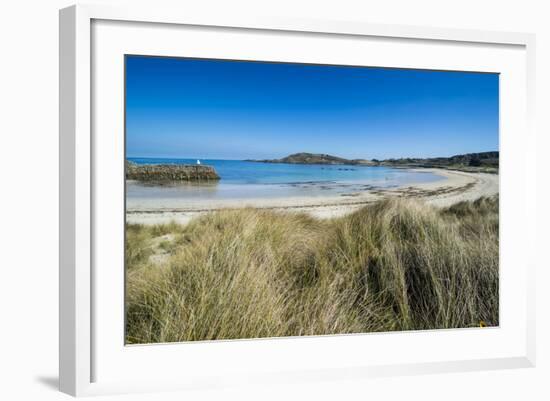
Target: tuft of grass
394 265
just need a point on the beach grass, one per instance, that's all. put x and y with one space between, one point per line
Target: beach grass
397 264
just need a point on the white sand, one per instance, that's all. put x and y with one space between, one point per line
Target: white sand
457 186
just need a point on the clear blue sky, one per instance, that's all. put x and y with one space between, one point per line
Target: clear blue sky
214 109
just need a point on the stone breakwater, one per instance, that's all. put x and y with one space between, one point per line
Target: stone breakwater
170 172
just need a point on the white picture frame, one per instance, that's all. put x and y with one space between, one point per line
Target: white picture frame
79 314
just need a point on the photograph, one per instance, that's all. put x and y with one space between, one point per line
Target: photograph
268 199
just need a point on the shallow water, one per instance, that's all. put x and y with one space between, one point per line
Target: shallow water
249 180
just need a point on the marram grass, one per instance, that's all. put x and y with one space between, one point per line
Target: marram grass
249 273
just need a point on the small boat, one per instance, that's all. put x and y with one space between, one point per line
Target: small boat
198 161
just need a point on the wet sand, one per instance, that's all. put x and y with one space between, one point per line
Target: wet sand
457 186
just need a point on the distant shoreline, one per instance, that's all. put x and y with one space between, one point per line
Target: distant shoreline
457 186
487 162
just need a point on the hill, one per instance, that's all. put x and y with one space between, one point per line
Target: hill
308 158
483 161
488 160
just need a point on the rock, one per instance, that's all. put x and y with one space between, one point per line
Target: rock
170 172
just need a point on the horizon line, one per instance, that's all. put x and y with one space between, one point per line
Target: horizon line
314 153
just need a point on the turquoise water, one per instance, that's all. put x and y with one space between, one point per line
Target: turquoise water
244 179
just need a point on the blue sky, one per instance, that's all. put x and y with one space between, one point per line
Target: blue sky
217 109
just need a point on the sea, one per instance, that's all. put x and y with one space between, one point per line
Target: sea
249 180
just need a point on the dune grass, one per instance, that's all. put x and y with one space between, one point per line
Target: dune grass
394 265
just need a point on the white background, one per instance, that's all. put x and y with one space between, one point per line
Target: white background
28 201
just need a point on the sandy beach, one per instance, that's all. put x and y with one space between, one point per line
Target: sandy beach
455 187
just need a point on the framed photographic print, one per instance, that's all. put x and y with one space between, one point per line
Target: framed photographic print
274 200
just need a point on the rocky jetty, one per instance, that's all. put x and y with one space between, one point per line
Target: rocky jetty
170 172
